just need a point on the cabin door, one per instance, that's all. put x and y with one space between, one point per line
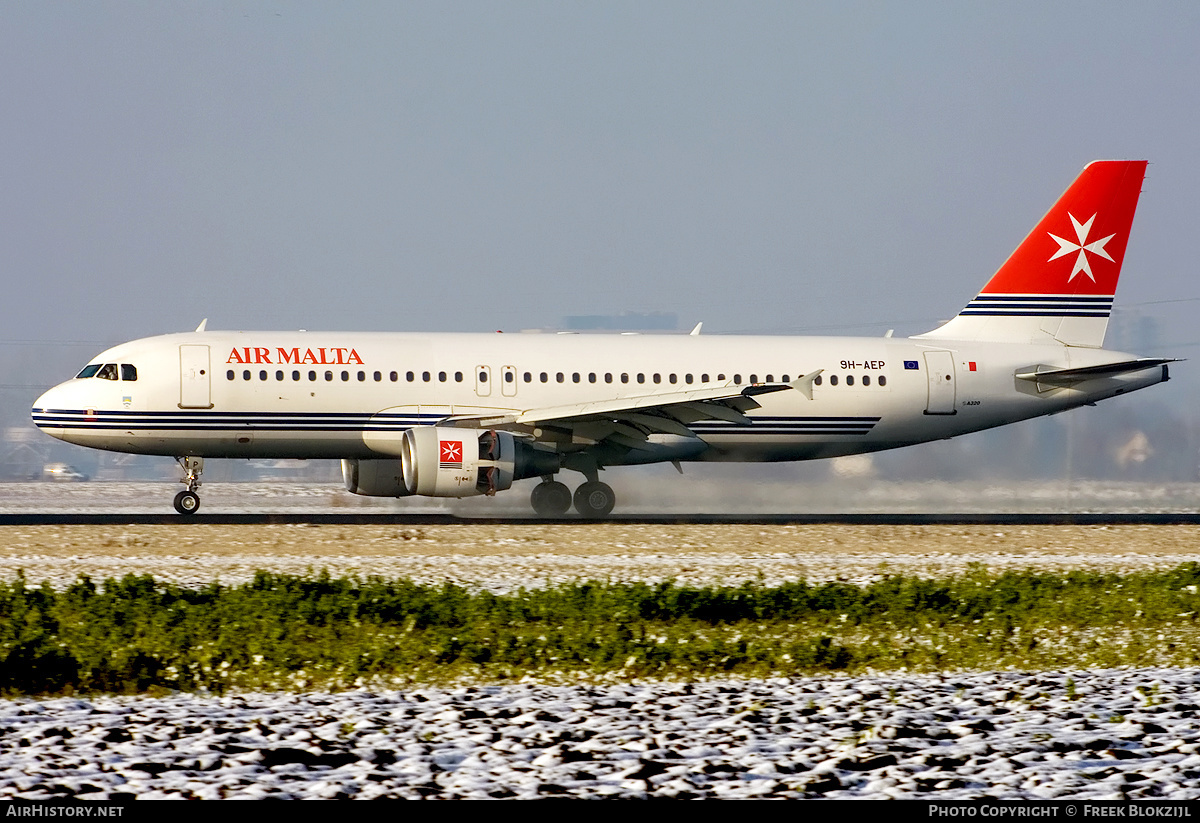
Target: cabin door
194 378
939 368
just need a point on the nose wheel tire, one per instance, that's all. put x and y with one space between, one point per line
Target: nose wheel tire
550 499
187 502
594 499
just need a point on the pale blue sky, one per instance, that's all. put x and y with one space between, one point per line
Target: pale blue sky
775 167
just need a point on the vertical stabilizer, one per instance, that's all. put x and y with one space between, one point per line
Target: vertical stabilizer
1058 286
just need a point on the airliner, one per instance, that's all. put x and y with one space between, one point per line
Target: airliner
457 415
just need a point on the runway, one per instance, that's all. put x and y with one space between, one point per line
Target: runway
643 498
391 519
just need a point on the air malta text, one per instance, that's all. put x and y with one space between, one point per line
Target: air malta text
296 356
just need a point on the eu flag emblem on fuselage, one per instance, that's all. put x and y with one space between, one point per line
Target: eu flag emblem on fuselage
911 364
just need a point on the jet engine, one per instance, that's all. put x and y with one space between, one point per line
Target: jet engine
374 478
443 461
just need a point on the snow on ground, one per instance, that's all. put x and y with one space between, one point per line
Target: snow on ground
1100 734
504 574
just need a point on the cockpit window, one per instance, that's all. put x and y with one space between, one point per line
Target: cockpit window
108 371
88 371
128 371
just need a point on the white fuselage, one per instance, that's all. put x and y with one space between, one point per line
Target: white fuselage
350 395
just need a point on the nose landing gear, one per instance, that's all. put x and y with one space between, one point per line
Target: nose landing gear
187 501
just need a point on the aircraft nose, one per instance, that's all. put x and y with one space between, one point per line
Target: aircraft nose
45 411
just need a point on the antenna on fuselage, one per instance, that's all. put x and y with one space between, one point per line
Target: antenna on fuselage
203 323
696 331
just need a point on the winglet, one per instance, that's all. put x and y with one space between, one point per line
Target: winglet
804 384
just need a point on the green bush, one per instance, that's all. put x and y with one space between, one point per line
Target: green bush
283 631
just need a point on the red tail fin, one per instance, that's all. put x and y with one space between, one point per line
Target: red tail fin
1060 282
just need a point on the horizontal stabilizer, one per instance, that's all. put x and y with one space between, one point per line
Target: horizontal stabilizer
1064 376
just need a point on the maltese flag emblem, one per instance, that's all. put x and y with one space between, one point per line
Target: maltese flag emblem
450 452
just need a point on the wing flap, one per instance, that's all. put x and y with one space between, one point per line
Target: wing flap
631 419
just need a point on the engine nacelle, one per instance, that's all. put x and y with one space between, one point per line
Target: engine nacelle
443 461
374 478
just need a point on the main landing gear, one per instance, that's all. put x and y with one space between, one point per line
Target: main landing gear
592 499
187 501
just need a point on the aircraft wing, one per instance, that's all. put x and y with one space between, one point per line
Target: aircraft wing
629 421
